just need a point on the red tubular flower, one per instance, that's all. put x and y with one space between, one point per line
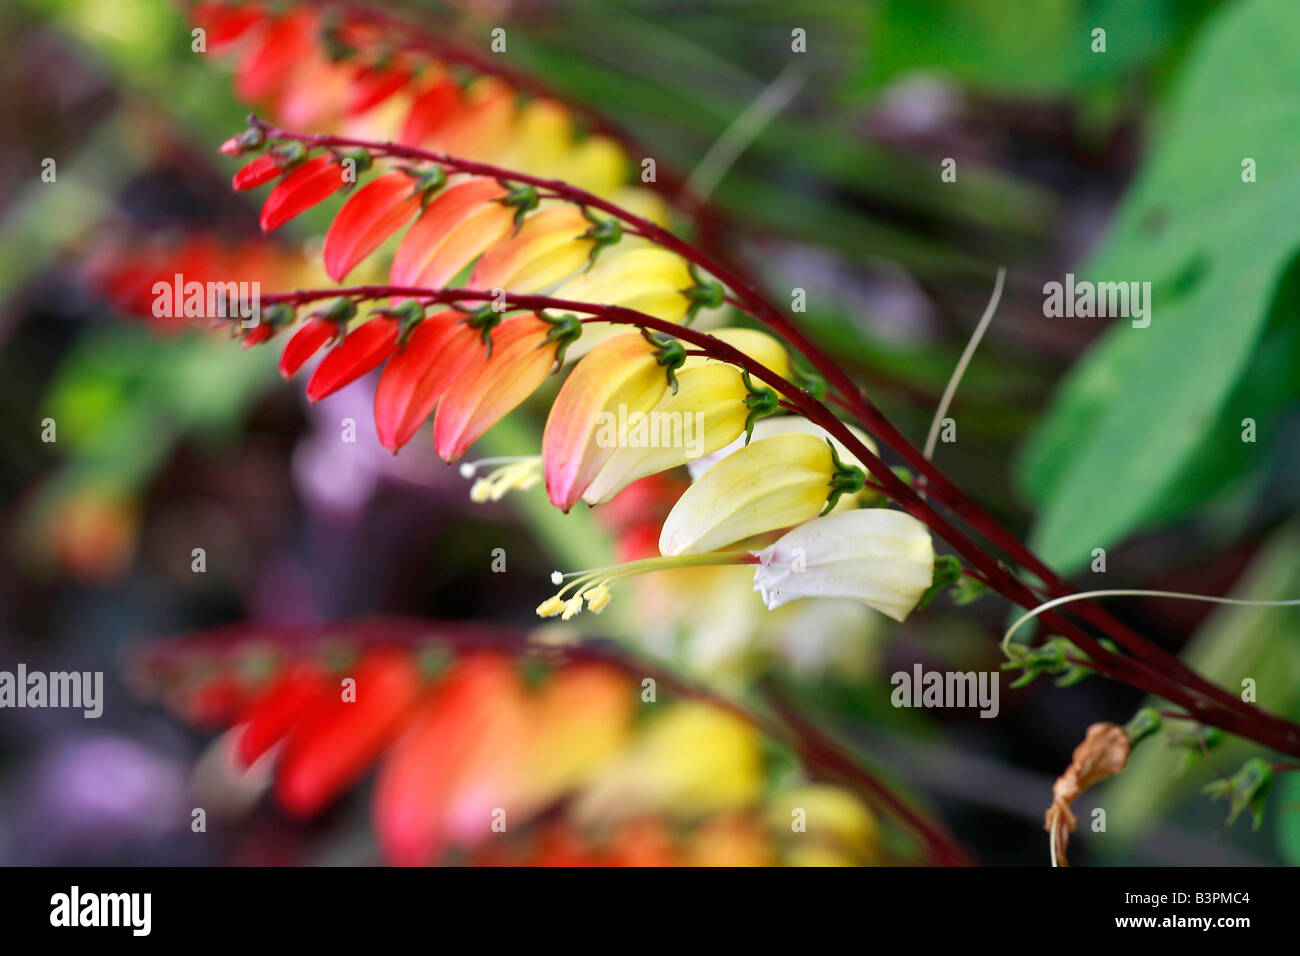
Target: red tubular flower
432 109
562 845
377 211
213 701
303 187
475 713
258 172
258 334
336 742
460 223
417 374
373 85
285 44
364 348
486 388
299 690
305 343
225 23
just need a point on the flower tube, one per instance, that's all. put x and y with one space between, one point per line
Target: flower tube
881 557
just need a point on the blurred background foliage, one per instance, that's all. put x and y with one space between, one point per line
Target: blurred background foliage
1080 433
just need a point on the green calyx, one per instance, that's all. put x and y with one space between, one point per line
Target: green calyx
287 154
331 37
602 234
252 139
947 572
670 353
522 198
702 295
409 314
428 183
341 311
565 330
360 158
485 318
845 480
1247 789
761 402
1145 722
808 380
278 316
1053 656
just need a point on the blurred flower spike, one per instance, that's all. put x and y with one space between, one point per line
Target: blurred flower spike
485 754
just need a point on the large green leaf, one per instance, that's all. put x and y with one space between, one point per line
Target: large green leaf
1023 46
1132 415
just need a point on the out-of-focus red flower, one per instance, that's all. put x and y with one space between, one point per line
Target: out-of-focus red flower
455 765
334 744
479 763
300 690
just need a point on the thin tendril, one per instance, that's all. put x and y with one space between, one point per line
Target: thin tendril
1131 592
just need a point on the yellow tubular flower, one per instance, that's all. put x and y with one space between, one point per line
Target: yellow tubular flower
769 484
583 720
835 824
784 425
621 376
547 248
707 412
634 275
692 761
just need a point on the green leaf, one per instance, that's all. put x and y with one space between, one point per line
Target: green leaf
1017 45
1288 817
1130 418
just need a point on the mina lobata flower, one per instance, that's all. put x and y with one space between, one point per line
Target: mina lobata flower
769 484
881 557
707 411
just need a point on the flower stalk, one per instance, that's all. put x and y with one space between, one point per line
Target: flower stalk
1140 671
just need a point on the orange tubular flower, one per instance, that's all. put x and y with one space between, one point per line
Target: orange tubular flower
488 386
278 49
374 213
417 374
548 247
478 701
458 225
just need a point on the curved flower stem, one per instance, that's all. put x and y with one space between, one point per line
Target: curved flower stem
1248 721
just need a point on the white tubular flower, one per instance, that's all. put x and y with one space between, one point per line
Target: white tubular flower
881 557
